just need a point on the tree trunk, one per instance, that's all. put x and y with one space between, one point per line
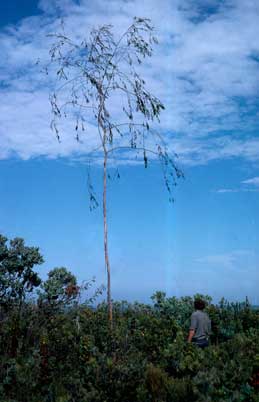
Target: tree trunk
106 253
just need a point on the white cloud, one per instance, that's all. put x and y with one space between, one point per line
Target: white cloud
236 259
205 70
227 190
249 185
236 190
254 181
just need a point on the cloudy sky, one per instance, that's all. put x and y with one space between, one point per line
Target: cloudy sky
205 71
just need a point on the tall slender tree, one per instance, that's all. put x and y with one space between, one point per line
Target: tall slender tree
99 82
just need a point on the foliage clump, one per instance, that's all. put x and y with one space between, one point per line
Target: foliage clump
54 348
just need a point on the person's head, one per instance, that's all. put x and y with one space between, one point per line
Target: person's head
199 304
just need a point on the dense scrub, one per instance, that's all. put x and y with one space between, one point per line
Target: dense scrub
54 348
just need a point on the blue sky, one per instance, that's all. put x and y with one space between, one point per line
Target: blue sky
205 70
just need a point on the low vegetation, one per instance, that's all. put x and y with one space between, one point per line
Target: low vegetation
56 347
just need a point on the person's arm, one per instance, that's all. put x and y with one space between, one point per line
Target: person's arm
191 334
193 327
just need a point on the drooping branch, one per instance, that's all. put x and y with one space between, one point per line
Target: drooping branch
91 75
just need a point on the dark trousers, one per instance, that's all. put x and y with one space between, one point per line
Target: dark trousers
202 343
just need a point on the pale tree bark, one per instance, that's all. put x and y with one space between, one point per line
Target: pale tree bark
106 251
103 138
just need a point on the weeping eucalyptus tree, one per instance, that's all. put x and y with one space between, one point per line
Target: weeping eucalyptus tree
99 83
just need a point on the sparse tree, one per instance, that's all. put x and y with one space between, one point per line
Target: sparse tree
99 83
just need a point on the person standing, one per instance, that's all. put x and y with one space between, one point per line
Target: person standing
200 328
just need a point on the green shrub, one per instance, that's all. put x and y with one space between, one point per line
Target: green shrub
56 350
